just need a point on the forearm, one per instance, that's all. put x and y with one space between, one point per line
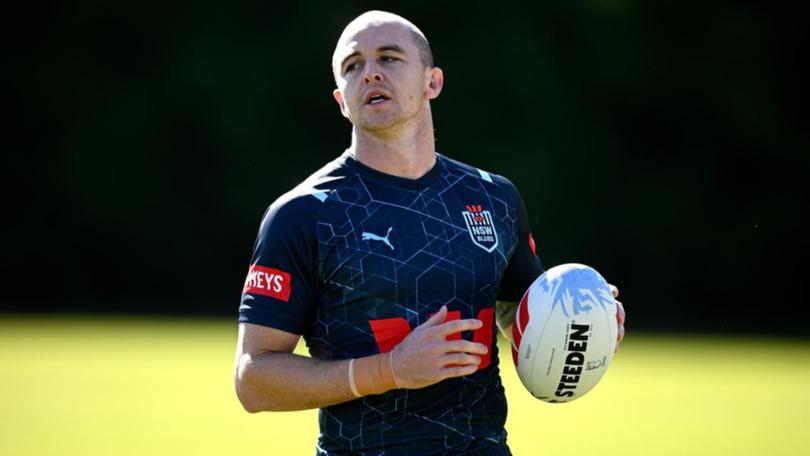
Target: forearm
285 381
276 381
505 316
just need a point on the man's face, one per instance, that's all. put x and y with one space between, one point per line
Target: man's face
380 78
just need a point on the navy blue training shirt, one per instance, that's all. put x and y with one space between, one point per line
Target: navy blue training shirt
353 259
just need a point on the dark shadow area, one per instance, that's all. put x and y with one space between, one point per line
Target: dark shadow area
663 144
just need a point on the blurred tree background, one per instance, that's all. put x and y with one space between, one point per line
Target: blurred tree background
663 143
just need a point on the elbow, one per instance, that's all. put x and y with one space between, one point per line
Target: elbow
250 403
248 390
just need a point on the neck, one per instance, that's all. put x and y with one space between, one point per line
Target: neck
405 151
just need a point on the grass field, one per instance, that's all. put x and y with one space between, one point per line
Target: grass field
134 386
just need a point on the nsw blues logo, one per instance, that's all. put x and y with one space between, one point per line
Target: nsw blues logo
480 226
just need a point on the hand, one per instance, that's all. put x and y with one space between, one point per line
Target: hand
620 316
426 357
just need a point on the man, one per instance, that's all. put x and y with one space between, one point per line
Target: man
389 261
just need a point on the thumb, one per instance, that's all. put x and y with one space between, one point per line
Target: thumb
437 318
614 290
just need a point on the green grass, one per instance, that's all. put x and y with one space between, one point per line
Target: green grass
118 386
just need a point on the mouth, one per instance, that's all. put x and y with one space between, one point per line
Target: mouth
376 97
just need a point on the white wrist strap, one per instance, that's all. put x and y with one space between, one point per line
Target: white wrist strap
351 378
394 375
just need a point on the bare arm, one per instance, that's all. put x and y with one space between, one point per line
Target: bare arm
505 316
270 377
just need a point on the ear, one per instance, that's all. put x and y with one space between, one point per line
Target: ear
339 99
435 82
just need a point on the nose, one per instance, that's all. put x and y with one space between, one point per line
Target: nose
373 75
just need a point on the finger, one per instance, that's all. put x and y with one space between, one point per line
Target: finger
621 316
464 346
619 338
614 290
459 359
459 371
455 326
437 318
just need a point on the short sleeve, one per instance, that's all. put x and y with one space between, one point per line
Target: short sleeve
281 287
524 265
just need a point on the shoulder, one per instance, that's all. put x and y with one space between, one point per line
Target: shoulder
302 204
488 178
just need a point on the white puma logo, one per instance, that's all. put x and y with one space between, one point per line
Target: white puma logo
374 237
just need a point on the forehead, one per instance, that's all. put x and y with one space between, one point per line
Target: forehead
368 37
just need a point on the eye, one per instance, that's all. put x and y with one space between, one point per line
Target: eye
351 66
388 58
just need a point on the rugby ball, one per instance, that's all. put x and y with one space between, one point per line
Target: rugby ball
564 333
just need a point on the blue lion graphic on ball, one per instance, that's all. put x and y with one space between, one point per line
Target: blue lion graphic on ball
576 289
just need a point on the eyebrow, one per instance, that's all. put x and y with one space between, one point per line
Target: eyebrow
389 47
